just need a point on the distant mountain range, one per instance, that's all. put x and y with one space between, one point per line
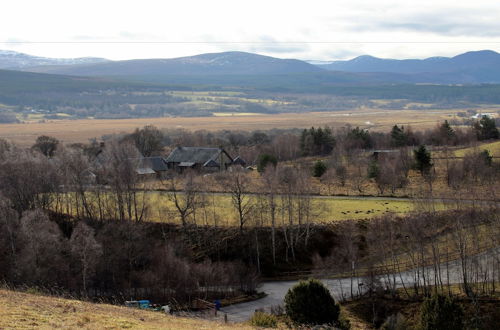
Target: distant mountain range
466 61
17 61
468 68
227 63
244 69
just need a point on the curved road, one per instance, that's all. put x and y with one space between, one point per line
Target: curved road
276 291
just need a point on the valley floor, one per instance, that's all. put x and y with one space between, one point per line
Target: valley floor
71 131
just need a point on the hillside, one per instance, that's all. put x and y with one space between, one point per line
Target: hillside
471 67
22 310
367 63
226 63
248 69
13 82
14 60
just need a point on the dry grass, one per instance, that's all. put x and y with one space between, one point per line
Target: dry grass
493 148
70 131
219 210
27 311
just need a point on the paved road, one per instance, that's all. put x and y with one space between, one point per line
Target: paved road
276 291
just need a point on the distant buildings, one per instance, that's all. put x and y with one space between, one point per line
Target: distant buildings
202 159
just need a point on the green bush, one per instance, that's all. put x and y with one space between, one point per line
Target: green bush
264 160
310 302
319 169
441 312
264 320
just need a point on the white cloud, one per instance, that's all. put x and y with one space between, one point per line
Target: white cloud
313 29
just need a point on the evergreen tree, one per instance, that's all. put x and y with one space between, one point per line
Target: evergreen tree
399 138
360 137
264 160
373 170
446 133
441 313
316 141
319 169
310 302
486 129
423 160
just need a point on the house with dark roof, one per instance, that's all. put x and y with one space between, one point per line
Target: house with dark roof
206 159
150 165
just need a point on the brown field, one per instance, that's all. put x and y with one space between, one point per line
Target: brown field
28 311
70 131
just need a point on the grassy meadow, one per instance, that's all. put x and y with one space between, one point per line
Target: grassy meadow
216 209
27 311
493 148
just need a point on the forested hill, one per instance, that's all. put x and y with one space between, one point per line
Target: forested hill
471 67
367 63
247 69
227 63
13 82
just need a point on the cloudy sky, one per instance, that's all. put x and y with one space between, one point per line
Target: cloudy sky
312 29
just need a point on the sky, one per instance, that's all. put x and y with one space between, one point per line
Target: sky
308 30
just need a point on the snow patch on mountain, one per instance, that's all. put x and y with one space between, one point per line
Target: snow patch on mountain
14 60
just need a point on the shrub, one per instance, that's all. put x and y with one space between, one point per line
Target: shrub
264 160
310 302
319 169
264 320
441 312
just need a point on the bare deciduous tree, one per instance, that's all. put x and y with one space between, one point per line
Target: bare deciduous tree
183 193
238 183
86 250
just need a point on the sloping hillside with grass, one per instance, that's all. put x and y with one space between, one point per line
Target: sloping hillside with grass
23 310
492 147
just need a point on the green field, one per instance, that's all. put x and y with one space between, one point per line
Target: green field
217 209
321 210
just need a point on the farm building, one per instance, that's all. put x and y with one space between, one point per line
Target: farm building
206 159
150 166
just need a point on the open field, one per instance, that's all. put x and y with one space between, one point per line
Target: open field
22 310
493 148
71 131
217 210
323 209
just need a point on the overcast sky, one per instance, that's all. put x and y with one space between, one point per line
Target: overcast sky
306 29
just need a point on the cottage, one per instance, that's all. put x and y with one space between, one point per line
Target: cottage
206 159
150 166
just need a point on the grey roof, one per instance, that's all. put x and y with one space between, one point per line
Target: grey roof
156 164
239 161
195 155
385 150
186 164
145 170
211 163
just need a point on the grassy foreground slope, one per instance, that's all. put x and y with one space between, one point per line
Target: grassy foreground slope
22 310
